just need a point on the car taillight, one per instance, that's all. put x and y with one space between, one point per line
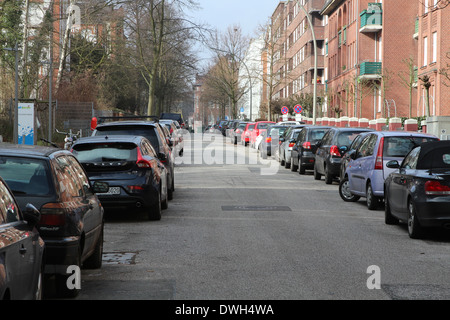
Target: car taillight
246 133
306 145
379 159
238 131
53 214
334 151
141 162
269 139
291 144
135 189
435 188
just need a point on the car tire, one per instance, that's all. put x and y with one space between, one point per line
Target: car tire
282 161
287 165
154 212
62 289
388 217
414 228
235 141
371 200
344 191
317 175
165 203
294 167
39 295
95 260
301 169
328 176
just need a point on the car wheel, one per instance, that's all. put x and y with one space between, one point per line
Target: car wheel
95 260
371 200
301 169
39 295
328 176
317 175
165 203
235 140
294 168
62 288
287 165
414 229
344 191
282 161
388 217
154 212
171 190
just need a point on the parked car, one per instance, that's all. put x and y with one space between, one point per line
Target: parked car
137 178
290 123
21 249
330 150
236 134
71 221
153 132
173 116
287 141
302 154
352 149
417 192
259 126
245 137
175 137
231 127
270 139
365 174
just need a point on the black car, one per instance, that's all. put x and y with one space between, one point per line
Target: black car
236 134
21 249
173 116
153 132
71 221
346 158
231 128
302 154
129 164
418 192
270 140
330 150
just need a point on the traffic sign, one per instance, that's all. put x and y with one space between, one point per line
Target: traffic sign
298 109
285 110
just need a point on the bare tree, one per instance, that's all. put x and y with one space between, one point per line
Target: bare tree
407 79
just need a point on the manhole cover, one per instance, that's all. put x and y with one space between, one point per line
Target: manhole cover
256 208
119 257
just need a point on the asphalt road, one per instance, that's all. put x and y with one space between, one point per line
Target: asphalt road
244 228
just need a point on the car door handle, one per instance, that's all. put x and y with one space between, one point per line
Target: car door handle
22 250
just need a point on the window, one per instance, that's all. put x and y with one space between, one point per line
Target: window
410 161
434 58
8 208
425 51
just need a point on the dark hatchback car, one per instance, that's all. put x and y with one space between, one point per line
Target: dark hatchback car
235 135
129 164
21 250
153 132
71 221
330 150
302 154
270 140
418 192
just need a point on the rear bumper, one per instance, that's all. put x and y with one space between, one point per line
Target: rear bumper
60 253
433 212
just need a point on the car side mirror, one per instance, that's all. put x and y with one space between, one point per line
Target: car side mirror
343 149
281 139
393 164
31 215
352 154
100 187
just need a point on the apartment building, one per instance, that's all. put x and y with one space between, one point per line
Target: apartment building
293 66
433 24
368 46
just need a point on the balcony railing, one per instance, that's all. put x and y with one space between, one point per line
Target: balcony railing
370 70
372 18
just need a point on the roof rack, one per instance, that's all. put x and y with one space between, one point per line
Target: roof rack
104 119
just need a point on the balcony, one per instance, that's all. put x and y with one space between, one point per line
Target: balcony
372 18
370 70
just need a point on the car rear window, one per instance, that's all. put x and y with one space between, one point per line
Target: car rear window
105 152
263 125
251 127
148 131
25 176
279 130
317 134
400 146
346 138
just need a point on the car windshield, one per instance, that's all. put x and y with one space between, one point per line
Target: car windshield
25 176
105 152
400 146
148 131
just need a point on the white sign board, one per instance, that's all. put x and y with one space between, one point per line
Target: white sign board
26 123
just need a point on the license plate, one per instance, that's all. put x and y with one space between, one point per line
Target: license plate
111 191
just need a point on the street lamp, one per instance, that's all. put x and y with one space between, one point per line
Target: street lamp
16 105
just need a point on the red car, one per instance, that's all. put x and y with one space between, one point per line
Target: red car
246 134
259 127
